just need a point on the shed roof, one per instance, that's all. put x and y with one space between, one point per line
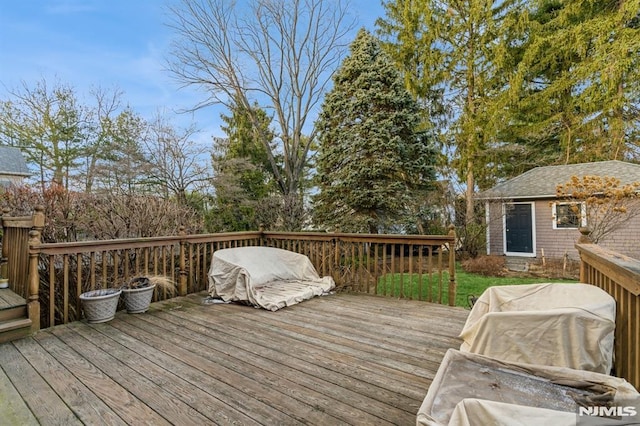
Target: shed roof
12 162
541 182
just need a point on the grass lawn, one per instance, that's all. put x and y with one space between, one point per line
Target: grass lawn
468 284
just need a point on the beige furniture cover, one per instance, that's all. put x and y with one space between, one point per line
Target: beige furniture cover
265 277
566 325
471 389
475 412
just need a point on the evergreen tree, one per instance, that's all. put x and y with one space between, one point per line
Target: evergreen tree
242 172
50 126
374 164
578 81
461 45
405 37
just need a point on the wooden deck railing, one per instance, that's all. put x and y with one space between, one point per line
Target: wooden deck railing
409 266
619 276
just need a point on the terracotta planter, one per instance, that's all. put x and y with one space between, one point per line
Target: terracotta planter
100 305
137 300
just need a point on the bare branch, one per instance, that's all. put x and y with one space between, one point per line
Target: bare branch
280 56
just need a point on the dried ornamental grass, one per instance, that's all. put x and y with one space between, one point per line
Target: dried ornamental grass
162 282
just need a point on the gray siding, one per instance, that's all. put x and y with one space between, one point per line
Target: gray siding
557 242
625 240
496 236
554 242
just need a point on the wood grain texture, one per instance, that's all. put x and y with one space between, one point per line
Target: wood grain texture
339 359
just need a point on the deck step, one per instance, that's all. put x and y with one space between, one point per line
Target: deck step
15 312
14 329
14 317
517 264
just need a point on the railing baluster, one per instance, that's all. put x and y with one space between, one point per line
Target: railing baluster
52 290
440 280
619 276
79 267
362 263
65 288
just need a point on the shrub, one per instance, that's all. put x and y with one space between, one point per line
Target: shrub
491 266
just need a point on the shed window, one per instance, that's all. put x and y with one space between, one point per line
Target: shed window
569 215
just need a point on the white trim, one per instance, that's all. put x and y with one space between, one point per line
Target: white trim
487 221
533 230
583 214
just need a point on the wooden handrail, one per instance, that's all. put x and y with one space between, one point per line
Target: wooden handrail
624 270
619 276
411 266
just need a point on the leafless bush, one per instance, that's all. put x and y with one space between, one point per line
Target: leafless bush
110 216
73 216
492 266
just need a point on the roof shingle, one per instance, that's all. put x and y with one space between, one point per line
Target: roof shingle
541 182
12 162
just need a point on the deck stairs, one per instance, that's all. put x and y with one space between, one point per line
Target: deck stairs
518 263
14 319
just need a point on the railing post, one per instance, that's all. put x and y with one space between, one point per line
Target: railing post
35 239
4 273
182 285
584 239
452 266
262 240
336 272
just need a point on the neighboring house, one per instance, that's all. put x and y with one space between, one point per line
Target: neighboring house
13 167
525 218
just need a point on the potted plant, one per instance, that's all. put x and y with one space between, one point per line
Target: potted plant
100 305
138 291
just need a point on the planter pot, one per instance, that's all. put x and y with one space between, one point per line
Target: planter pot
4 282
100 305
137 300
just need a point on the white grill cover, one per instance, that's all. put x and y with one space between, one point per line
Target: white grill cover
566 325
267 277
471 389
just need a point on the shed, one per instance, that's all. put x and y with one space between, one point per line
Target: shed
524 216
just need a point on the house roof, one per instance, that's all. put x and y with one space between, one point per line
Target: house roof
541 182
12 162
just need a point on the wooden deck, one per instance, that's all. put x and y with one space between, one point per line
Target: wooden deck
339 359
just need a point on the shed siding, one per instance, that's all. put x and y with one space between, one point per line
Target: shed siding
625 240
557 242
496 236
554 242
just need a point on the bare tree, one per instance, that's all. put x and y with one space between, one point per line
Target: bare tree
280 56
176 162
107 105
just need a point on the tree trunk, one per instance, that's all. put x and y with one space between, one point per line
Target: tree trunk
470 194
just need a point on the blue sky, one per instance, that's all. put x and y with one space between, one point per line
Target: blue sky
109 44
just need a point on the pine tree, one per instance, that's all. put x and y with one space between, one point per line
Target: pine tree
578 80
406 37
374 164
243 181
461 45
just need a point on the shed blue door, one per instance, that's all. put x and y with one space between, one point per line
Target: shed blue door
519 228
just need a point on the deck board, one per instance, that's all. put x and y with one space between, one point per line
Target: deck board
339 359
8 299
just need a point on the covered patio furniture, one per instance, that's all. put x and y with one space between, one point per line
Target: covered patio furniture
565 325
265 277
471 389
